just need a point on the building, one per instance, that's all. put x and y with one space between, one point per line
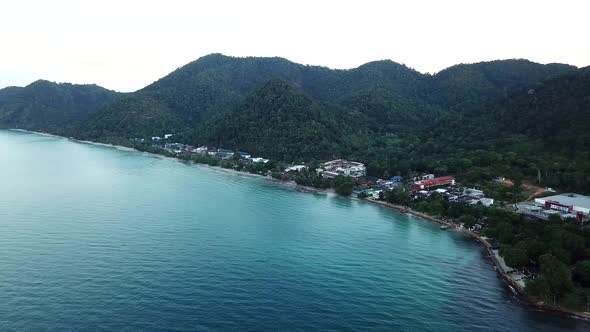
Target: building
337 167
295 168
486 201
434 182
473 192
567 204
244 155
167 136
224 153
201 150
423 177
259 160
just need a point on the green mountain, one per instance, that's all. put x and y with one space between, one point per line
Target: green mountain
556 111
49 106
279 122
467 87
512 117
398 97
215 84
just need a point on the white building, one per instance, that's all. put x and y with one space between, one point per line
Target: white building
167 136
259 160
568 203
201 150
295 168
486 201
343 167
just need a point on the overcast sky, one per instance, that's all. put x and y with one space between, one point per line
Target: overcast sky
125 45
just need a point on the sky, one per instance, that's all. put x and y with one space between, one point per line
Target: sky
125 45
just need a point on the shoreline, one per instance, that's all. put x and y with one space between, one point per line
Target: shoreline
508 280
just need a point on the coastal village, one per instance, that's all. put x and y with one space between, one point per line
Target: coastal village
567 207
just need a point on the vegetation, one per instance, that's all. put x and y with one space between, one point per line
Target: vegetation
513 118
343 185
48 106
552 248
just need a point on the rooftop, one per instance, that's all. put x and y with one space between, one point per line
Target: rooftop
570 199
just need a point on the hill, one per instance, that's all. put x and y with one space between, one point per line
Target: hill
468 87
472 120
393 96
215 84
278 122
49 106
556 111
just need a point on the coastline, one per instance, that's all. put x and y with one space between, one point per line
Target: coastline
508 280
506 277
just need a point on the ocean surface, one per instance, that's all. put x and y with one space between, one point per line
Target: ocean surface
95 238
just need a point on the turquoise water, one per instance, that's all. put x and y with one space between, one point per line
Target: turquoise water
94 238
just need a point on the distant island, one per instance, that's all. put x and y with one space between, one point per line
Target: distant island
508 129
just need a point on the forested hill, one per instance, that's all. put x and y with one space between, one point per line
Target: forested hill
513 117
279 122
468 87
556 111
49 106
393 96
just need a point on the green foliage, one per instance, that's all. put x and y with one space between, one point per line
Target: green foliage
362 195
582 273
475 121
278 122
49 106
343 185
557 275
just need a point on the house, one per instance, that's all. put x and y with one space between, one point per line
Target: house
423 177
433 182
473 192
224 153
244 155
156 138
201 150
486 201
167 136
388 184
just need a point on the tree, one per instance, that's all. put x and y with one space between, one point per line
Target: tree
538 287
343 185
557 275
582 273
467 220
515 256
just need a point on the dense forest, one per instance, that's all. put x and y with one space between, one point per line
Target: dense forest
49 106
512 118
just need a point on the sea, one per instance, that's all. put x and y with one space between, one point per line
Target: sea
95 238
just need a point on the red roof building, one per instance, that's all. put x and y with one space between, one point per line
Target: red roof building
436 182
